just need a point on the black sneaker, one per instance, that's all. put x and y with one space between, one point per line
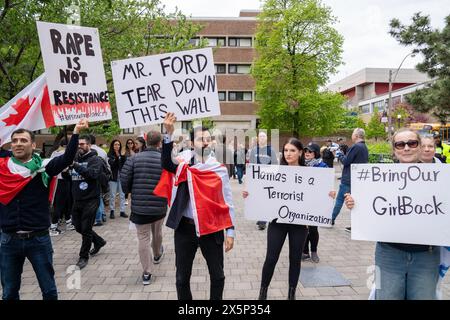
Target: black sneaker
98 224
96 249
348 229
104 217
111 215
82 262
146 278
158 259
123 215
305 256
332 222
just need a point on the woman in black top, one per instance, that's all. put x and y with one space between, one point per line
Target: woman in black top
116 161
277 232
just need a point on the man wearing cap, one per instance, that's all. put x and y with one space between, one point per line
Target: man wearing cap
442 149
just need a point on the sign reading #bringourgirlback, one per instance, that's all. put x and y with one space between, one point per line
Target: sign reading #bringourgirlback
401 203
290 194
74 72
147 88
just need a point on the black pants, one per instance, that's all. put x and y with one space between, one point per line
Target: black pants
276 235
313 238
62 205
83 215
186 244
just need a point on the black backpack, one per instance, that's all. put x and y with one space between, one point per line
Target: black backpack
105 177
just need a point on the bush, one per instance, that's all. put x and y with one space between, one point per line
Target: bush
380 152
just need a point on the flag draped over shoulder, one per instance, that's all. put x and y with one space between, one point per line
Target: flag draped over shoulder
29 109
209 192
14 177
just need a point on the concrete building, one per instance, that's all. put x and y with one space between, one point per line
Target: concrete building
368 89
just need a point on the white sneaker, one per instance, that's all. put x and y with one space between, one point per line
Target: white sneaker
126 202
55 232
70 227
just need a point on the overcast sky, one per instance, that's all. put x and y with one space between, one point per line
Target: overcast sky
363 23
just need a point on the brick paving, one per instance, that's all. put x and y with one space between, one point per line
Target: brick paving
115 273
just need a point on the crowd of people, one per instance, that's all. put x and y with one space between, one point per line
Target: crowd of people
72 189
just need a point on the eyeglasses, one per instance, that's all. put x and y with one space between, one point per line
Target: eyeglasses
130 142
400 145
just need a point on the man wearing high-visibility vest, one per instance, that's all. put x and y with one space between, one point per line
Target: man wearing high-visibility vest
442 149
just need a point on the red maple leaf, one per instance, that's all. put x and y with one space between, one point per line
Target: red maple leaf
22 106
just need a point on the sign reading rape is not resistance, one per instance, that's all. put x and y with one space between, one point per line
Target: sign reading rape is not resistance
401 203
147 88
74 72
291 194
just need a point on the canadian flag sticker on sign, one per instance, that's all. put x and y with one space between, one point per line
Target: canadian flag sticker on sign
74 70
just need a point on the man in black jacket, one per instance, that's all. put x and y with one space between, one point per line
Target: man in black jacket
25 216
86 195
139 176
182 221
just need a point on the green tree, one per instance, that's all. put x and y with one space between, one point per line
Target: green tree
129 28
434 45
297 51
375 128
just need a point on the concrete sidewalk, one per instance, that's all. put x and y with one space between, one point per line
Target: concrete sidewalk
115 273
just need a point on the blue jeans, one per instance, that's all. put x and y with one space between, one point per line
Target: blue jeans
406 275
343 189
39 252
240 172
100 211
116 188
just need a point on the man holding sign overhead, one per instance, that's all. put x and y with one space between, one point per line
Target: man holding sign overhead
201 209
404 208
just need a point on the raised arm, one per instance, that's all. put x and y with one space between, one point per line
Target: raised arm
166 155
58 164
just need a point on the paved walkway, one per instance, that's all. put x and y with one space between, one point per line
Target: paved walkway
115 273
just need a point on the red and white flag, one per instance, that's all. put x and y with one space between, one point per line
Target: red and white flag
29 109
209 191
14 177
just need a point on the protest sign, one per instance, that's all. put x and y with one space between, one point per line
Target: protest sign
401 203
291 194
74 71
147 88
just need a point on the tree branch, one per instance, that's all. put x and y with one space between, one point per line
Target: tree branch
34 67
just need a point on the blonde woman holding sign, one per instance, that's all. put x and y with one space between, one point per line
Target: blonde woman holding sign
277 232
405 271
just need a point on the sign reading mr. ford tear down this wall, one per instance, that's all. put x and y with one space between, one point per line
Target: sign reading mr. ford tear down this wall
74 73
147 88
401 203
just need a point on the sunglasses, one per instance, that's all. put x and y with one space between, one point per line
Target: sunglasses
400 145
308 151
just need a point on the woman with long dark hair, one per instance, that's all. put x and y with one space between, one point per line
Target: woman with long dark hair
116 161
130 148
140 144
292 155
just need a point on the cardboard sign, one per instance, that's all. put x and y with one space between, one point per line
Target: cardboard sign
401 203
147 88
290 194
74 71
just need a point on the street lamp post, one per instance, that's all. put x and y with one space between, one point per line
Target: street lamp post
399 119
391 82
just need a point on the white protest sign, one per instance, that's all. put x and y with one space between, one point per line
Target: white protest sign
291 194
401 203
74 71
180 82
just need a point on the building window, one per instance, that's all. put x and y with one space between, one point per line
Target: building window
239 42
222 96
128 131
239 68
220 68
42 131
379 105
240 96
215 42
365 108
194 41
